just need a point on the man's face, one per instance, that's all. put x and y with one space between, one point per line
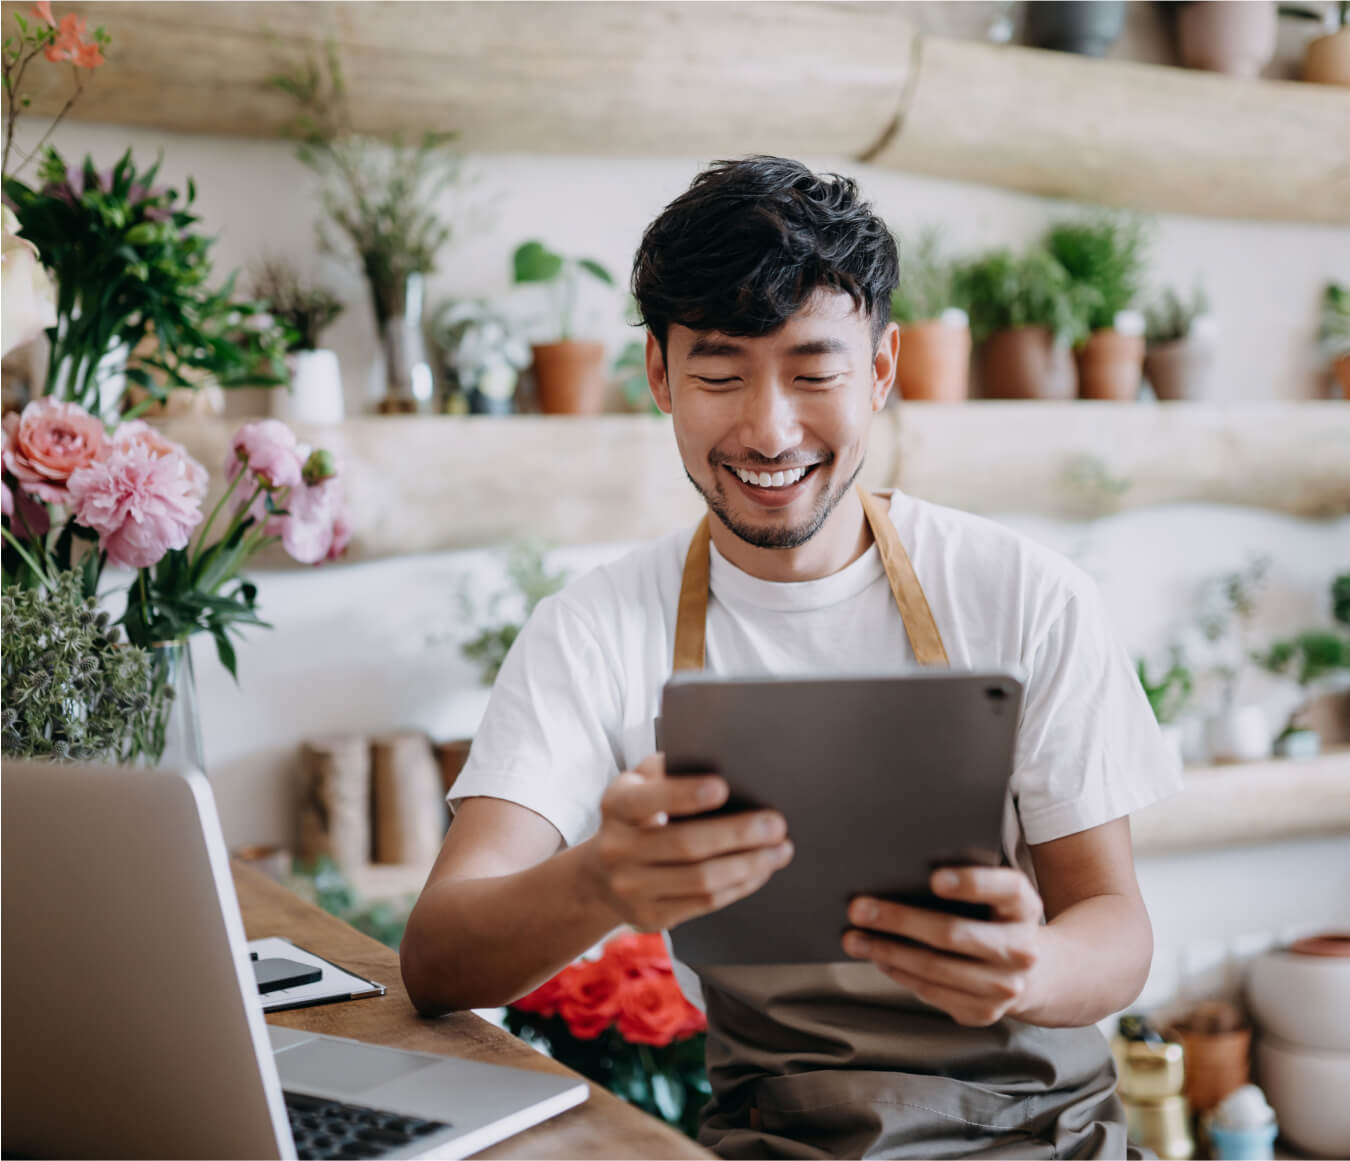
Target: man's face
773 430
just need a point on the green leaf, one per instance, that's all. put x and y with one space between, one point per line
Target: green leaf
595 269
225 651
533 262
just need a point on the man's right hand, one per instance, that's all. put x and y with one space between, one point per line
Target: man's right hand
656 872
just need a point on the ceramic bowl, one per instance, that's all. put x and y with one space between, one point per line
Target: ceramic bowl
1304 1000
1307 1089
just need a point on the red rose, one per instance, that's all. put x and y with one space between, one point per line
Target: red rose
589 997
652 1010
637 955
543 1000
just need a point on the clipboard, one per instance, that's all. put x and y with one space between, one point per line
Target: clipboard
336 984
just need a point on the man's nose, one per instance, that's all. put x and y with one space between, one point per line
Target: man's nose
769 424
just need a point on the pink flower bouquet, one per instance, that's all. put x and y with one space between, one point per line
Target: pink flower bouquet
78 497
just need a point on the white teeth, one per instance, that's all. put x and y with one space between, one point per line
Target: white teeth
771 480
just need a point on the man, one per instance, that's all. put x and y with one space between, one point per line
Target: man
765 290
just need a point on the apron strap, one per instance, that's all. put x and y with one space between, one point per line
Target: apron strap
692 617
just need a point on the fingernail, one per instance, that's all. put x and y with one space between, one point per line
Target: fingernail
856 944
865 912
946 880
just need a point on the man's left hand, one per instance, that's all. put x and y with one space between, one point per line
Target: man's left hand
975 970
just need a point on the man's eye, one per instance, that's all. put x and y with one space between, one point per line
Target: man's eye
715 382
817 378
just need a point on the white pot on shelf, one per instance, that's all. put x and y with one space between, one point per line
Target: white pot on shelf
315 392
1241 734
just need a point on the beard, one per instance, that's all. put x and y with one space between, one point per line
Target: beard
782 536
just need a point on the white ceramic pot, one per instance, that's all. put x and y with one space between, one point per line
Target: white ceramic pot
1303 1000
1240 735
315 393
1308 1090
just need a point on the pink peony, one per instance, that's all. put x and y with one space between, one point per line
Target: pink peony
138 431
267 450
47 443
141 504
316 526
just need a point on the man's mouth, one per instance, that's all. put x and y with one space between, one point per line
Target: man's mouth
780 479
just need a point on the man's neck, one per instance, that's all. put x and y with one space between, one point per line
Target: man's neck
843 538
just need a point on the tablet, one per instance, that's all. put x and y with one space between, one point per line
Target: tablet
881 780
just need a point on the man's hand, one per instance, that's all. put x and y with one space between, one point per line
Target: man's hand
977 971
655 872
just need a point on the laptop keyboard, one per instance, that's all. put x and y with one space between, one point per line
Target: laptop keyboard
325 1128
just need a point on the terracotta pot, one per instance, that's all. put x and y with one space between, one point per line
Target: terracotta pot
1026 363
1179 370
934 362
1109 366
1226 37
570 377
1216 1064
1327 62
1341 369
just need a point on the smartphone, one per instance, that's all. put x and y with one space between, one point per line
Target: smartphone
275 974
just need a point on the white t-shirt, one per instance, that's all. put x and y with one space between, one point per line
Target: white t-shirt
579 692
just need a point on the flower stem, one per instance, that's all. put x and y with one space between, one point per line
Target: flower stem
19 548
211 519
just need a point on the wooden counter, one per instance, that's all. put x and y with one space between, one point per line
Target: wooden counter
602 1127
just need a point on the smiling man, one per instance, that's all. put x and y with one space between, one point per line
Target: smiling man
765 290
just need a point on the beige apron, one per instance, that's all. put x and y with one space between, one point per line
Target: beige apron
835 1060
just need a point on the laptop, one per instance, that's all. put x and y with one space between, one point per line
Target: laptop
133 1026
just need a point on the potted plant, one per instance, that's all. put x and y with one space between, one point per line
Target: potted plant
484 354
934 358
1105 256
1086 27
1025 314
383 198
314 394
1310 658
1237 732
1180 349
569 373
1334 333
1223 37
1326 60
1169 696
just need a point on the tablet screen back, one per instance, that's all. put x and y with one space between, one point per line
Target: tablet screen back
881 779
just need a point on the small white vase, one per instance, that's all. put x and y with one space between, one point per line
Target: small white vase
315 393
1240 735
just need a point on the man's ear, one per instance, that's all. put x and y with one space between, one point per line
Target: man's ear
883 365
657 382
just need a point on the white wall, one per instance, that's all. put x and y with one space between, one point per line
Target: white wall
1265 279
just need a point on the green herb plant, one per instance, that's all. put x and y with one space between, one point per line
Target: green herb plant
928 281
1171 693
1334 331
1104 255
1169 319
1004 291
1310 657
535 262
72 689
1229 604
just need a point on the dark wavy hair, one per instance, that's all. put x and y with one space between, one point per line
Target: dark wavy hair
745 247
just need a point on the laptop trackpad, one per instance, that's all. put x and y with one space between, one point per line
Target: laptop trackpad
340 1068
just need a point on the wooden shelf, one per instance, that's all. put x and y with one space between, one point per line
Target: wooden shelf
714 80
1250 802
436 483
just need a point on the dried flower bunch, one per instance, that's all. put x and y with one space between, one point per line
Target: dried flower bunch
304 306
72 688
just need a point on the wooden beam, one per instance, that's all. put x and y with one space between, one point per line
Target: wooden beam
706 80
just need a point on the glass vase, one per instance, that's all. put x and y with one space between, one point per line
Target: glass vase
173 737
409 386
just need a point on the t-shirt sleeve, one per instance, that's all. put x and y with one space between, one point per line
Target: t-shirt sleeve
548 738
1089 749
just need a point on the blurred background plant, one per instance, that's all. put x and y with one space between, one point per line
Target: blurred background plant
929 282
323 883
1104 255
535 262
304 306
1171 318
531 580
484 351
1004 291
